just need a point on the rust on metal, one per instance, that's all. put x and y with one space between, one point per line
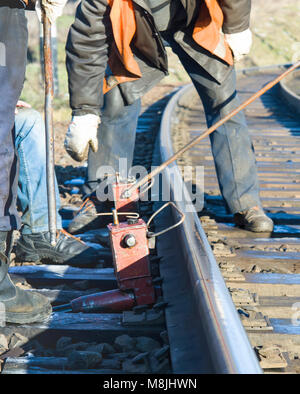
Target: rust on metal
49 129
132 264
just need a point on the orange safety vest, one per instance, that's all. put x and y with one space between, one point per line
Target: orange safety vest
29 4
207 33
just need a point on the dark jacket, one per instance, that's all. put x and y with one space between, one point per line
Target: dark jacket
137 60
22 4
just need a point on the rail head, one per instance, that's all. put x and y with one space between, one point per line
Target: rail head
291 97
225 332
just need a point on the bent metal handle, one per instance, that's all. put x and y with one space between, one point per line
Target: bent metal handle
49 129
211 129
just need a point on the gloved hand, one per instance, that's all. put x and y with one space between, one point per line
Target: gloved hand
81 134
53 8
240 43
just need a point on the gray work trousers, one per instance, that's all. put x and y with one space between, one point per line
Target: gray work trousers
13 50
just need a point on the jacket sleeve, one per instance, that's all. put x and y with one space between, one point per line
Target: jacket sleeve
87 55
236 15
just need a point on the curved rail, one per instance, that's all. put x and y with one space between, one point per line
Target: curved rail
225 334
288 95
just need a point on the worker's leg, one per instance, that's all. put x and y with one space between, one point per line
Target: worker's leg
34 243
116 136
32 191
13 44
232 148
12 70
19 306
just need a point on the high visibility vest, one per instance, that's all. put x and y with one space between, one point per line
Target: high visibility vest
207 33
208 30
28 4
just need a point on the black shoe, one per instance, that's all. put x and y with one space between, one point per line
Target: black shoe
86 218
68 250
254 219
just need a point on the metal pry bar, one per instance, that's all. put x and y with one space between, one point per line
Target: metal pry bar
208 131
49 129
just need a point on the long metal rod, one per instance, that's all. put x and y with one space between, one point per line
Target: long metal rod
53 53
49 129
211 129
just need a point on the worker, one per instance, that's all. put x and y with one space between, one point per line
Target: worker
34 242
19 306
120 45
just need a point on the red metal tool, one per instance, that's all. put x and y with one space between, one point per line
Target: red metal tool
122 202
132 269
129 244
111 301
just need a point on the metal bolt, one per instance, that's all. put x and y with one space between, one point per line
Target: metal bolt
129 240
115 217
126 194
132 220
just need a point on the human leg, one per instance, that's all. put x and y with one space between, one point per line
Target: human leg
32 183
34 243
19 306
231 144
116 135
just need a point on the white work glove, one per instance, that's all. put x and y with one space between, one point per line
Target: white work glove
81 134
240 43
53 8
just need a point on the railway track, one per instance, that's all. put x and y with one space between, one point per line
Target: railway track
94 343
194 327
261 271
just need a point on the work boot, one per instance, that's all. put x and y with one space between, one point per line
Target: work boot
26 307
254 219
18 306
68 249
86 218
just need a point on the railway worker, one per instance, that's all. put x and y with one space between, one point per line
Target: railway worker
118 45
16 305
34 243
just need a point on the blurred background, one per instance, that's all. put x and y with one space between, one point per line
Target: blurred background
276 40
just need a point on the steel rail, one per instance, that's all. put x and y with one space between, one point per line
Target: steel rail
230 348
291 98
